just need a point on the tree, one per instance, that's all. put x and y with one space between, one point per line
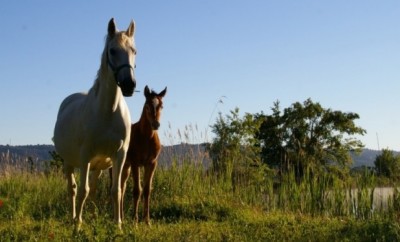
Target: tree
271 137
56 163
307 136
234 142
388 164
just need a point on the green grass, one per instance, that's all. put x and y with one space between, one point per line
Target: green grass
190 204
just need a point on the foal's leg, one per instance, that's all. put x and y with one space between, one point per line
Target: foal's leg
83 191
137 190
93 181
94 178
126 171
148 179
72 190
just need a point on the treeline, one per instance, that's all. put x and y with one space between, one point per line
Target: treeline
304 138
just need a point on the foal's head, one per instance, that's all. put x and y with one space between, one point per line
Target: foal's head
153 106
120 55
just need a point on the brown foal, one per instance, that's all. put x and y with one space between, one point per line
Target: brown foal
143 151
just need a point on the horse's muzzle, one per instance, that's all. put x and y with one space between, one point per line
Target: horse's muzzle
128 86
155 125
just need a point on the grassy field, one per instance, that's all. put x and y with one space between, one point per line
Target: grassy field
191 204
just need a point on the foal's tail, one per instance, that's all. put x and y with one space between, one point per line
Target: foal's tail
110 173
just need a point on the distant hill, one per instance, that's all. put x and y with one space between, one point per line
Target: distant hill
365 158
40 152
19 155
177 153
184 153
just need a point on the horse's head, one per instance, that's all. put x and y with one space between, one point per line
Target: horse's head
153 106
120 54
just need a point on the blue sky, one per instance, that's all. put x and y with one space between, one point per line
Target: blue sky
342 54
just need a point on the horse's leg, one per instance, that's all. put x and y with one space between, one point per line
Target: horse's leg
124 178
94 178
72 190
83 191
116 185
137 190
148 179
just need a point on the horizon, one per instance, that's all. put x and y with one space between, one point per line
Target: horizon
23 145
343 55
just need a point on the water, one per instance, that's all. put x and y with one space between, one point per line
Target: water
381 197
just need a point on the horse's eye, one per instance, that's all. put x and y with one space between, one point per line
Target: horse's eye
113 51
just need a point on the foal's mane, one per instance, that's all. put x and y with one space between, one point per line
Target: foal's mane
152 95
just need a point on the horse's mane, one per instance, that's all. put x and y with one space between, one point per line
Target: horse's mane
103 66
96 85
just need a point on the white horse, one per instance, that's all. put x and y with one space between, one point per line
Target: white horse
93 129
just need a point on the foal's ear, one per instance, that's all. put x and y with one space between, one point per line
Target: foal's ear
131 29
146 91
111 27
162 94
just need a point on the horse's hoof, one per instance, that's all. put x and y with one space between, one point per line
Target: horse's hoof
77 227
119 230
118 225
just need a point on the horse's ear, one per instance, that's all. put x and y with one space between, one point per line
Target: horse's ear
162 94
131 29
111 27
146 91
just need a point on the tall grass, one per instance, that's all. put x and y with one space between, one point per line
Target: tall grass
190 202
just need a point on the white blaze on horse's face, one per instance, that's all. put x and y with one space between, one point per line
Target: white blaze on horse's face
153 112
121 55
154 106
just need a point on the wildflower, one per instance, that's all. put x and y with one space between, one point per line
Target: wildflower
51 236
1 203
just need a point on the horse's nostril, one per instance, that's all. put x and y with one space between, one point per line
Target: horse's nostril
156 125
